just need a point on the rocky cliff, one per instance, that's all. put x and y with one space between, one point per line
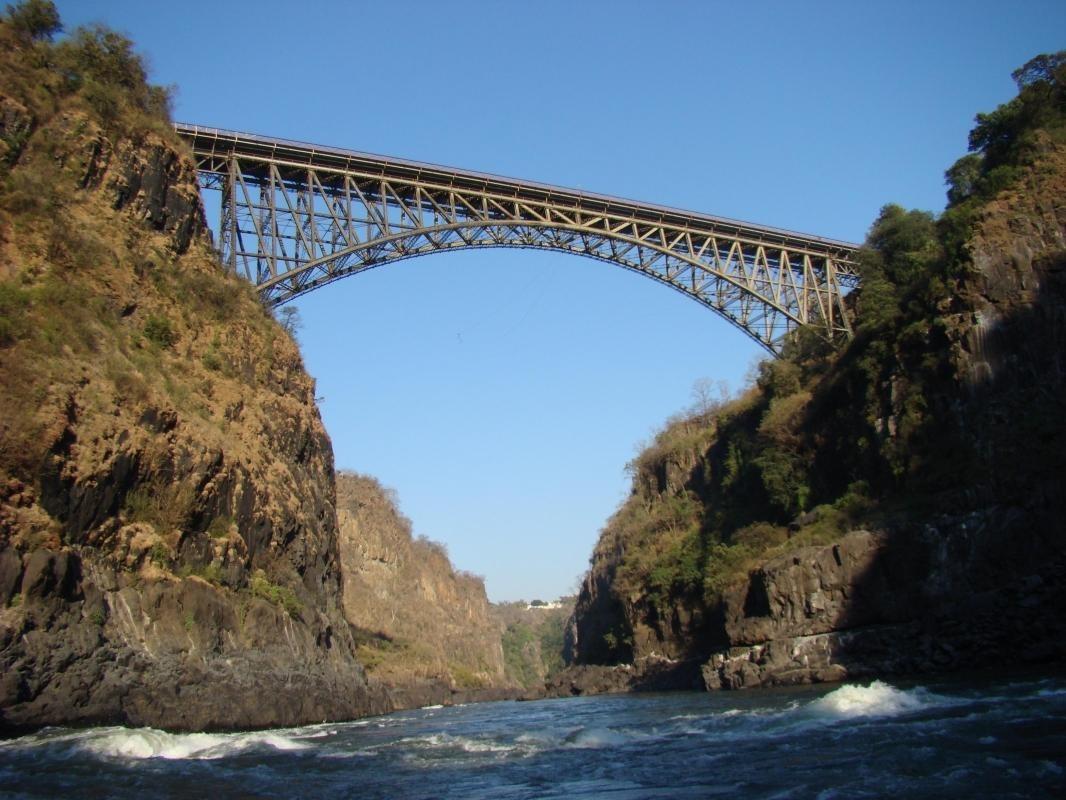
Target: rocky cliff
425 629
965 592
168 550
892 507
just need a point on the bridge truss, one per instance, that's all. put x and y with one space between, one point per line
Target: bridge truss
297 216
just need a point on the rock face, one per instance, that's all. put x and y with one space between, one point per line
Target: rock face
177 654
957 594
974 577
426 629
1010 344
168 545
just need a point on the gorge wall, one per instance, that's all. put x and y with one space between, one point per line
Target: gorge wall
169 545
894 507
424 629
168 551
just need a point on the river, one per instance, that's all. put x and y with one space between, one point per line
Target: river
935 739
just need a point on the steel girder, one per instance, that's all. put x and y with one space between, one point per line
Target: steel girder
296 216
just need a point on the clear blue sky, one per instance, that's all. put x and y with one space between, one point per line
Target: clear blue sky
501 393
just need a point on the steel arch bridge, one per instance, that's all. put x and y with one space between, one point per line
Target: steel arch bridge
296 216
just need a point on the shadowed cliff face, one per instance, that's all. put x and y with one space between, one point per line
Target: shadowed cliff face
962 568
168 545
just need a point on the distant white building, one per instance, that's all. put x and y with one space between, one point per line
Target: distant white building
540 605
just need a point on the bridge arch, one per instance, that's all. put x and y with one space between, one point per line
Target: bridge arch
295 217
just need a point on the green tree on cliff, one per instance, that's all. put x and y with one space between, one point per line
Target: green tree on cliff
34 20
1003 142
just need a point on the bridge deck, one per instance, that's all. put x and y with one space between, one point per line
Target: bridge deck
213 146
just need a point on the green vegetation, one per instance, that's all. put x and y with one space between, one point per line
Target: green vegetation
211 572
166 509
220 527
93 63
376 650
159 331
618 643
34 20
533 640
399 661
552 638
1009 138
212 361
102 67
827 441
283 596
519 666
465 678
160 555
14 301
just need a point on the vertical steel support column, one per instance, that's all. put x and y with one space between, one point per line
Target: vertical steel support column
228 223
312 223
264 266
831 290
838 299
274 231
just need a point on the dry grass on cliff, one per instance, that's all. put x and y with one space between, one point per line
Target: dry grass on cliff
132 364
175 332
421 618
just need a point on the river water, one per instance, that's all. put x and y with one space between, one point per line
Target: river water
937 739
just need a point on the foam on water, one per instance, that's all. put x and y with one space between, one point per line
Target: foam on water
464 743
876 700
349 754
525 744
145 743
604 737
